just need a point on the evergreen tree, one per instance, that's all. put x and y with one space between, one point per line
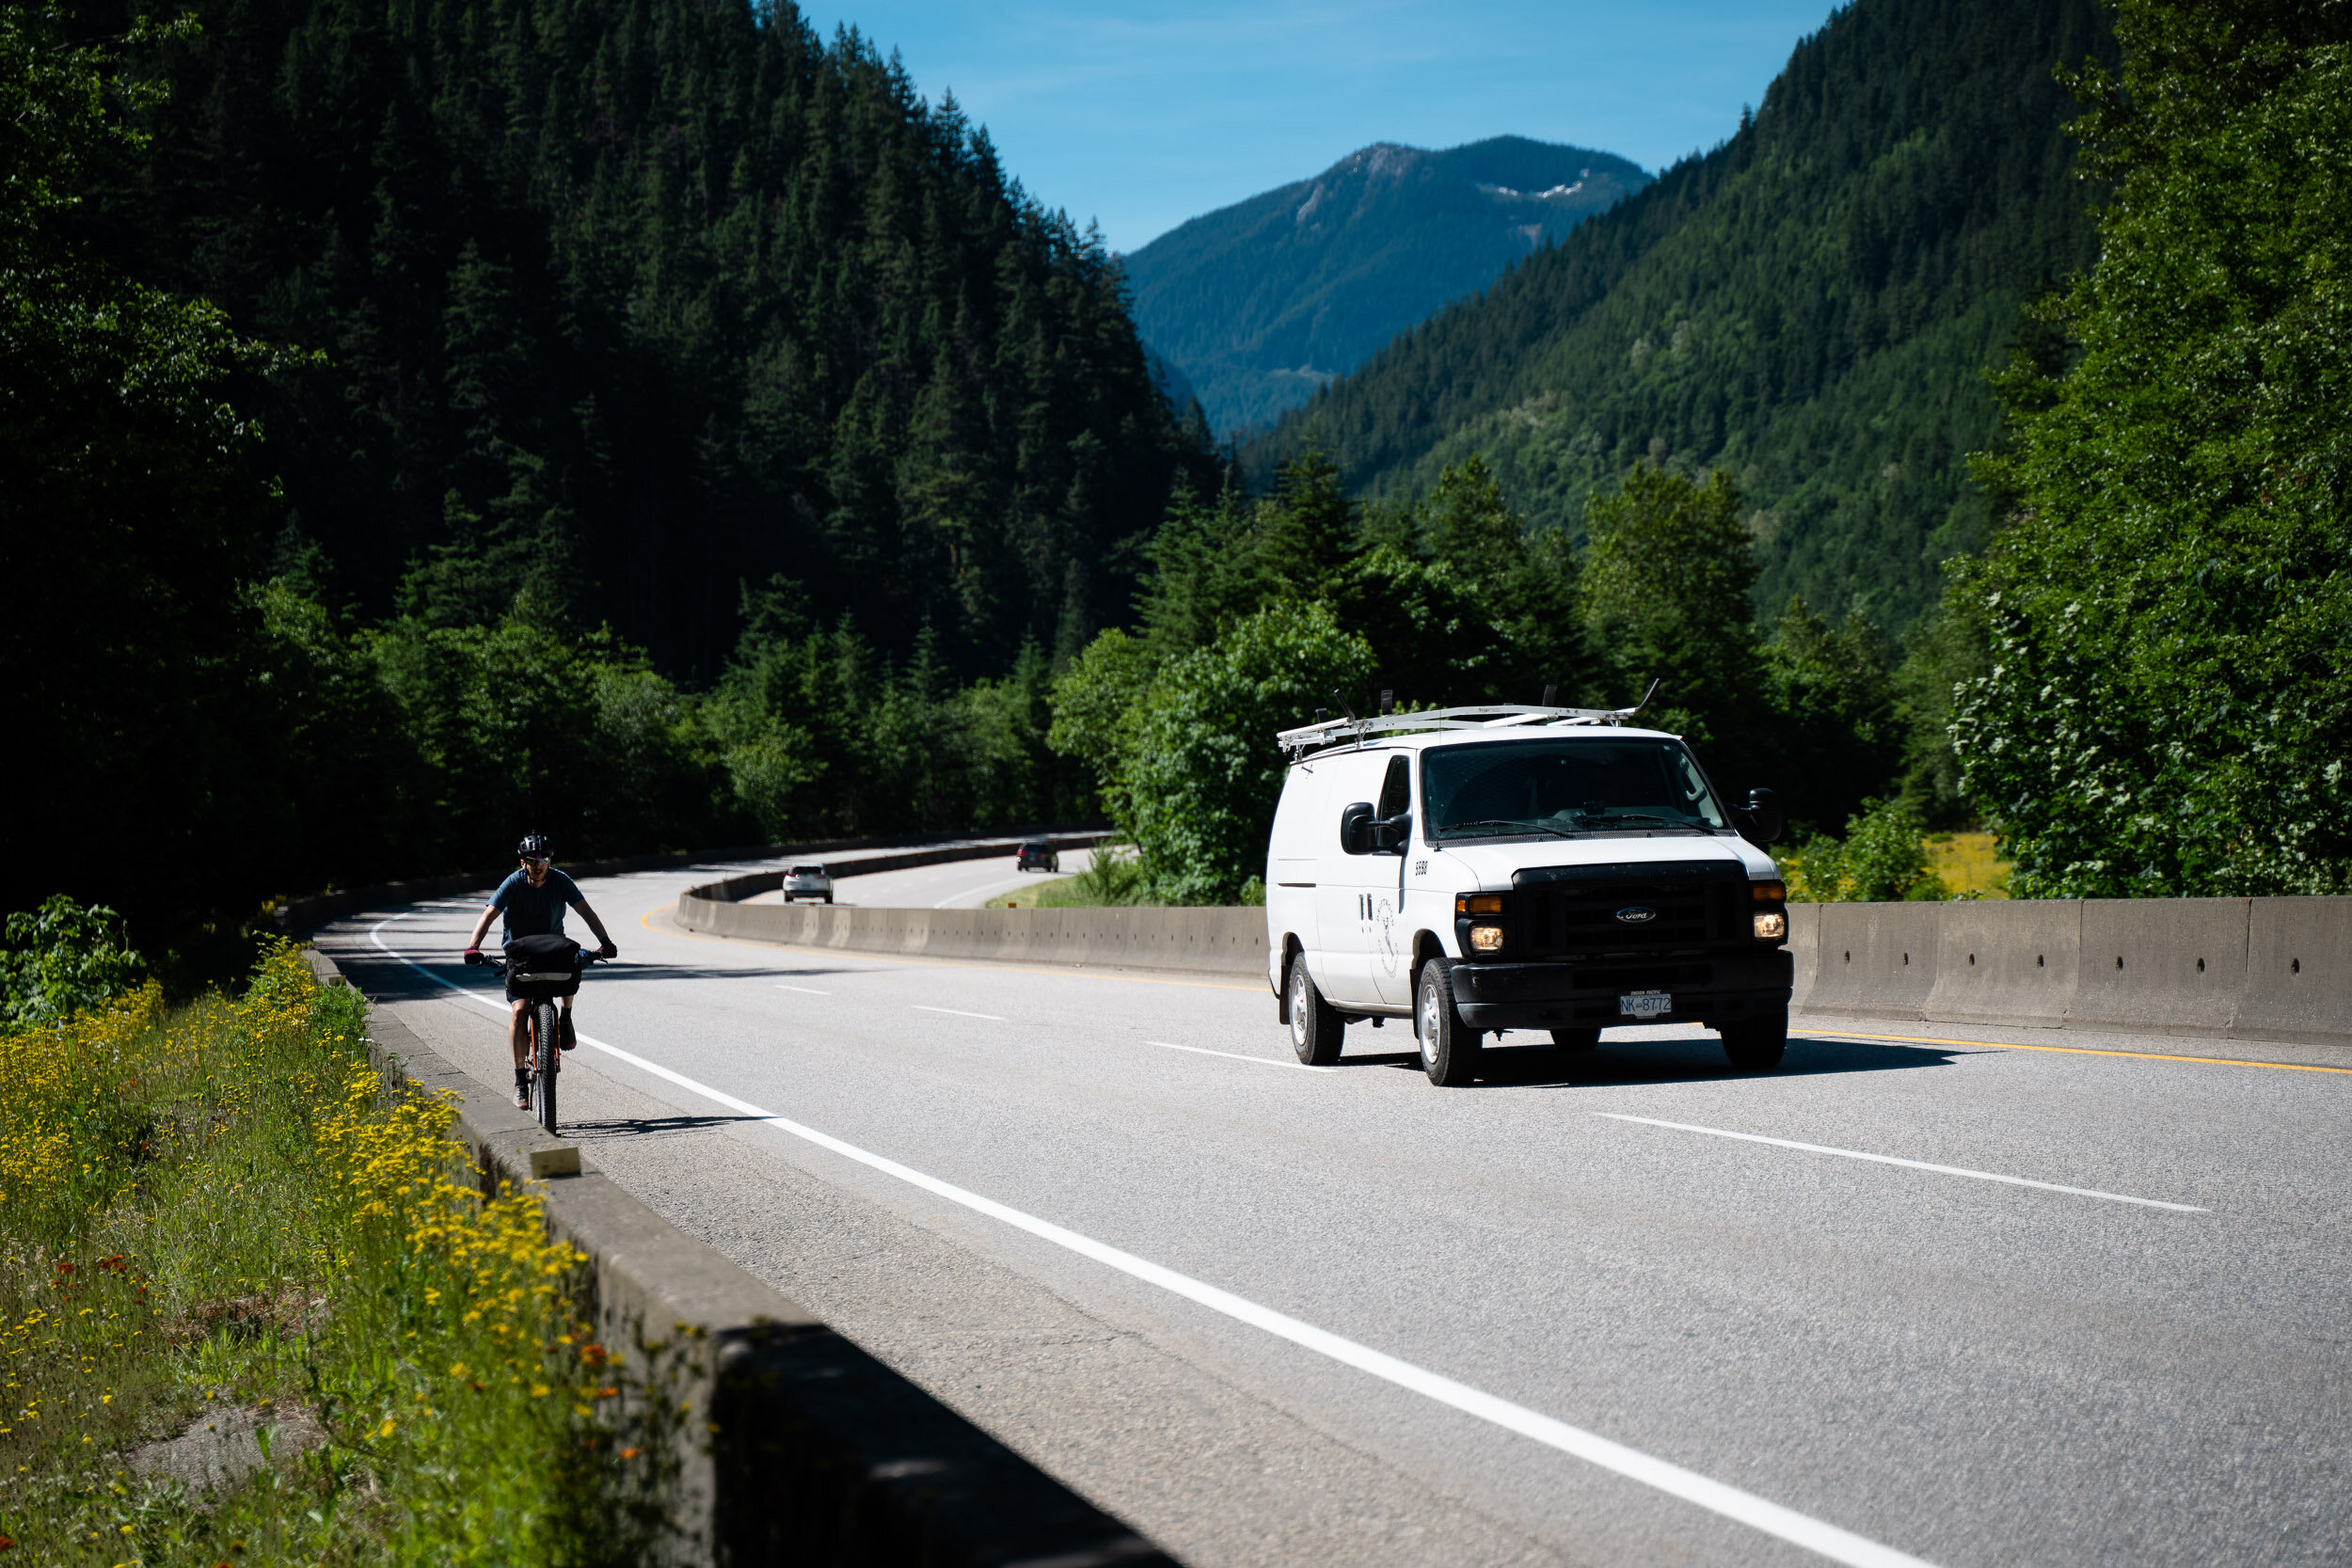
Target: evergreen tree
2169 704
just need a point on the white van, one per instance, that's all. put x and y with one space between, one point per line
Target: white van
1536 868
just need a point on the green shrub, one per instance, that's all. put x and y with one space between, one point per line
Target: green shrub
62 960
1201 772
1882 859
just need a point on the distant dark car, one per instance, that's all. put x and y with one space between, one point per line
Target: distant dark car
1037 855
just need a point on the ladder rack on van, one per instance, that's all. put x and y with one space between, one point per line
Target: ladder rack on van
1492 715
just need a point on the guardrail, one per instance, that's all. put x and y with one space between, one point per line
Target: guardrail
2264 969
800 1447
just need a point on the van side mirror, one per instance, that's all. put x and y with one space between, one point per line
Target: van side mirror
1356 829
1390 835
1759 820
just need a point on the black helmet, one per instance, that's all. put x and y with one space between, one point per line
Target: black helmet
535 847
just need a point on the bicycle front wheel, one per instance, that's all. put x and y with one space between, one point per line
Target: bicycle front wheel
550 1046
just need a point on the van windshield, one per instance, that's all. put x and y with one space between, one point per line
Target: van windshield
1495 789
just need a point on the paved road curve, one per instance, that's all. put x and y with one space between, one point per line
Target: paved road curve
1901 1300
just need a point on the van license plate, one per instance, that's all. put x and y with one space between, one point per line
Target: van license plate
1646 1004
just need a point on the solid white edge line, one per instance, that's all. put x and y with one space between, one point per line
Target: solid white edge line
1910 1164
1235 1056
955 1012
1815 1535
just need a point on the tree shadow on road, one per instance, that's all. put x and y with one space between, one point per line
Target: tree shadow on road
1669 1061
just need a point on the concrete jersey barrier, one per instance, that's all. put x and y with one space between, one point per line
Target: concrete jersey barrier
300 916
1212 940
2276 969
2265 969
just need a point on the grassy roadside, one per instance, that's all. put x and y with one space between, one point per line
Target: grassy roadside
1967 864
215 1214
1112 878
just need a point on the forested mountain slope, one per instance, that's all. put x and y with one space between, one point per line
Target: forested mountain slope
1810 306
622 304
1263 301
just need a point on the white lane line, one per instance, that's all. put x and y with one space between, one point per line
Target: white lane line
954 1012
806 990
1910 1164
1230 1056
1815 1535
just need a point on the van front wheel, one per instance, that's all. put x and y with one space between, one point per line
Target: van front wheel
1755 1044
1448 1047
1316 1027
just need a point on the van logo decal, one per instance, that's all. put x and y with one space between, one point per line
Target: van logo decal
1637 914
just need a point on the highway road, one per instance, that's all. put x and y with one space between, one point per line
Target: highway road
1926 1294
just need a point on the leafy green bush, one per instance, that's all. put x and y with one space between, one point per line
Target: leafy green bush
1882 859
2168 706
1198 773
62 960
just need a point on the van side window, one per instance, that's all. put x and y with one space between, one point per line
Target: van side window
1396 790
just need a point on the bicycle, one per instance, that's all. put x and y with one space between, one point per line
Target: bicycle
551 974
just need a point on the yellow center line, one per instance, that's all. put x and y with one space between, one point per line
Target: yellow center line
675 929
2075 1051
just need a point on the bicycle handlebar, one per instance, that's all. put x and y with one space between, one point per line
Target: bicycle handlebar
495 963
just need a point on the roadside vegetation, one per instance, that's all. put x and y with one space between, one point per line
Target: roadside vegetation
1111 878
214 1220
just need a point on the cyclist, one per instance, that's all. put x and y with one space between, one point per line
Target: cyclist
532 899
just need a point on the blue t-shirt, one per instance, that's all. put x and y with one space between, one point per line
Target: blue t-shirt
534 911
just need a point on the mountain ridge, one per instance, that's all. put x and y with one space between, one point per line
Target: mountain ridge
1262 302
1811 306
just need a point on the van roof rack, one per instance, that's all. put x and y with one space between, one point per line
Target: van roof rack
1491 716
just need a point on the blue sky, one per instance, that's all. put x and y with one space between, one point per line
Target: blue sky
1143 115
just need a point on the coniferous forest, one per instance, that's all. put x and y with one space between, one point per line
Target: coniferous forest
1811 307
654 425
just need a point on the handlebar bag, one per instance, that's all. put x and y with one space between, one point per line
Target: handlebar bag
541 968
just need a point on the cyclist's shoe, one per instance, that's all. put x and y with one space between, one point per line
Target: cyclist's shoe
522 1099
565 1034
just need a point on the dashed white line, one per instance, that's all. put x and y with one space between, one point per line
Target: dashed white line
1771 1518
1231 1056
954 1012
806 990
1910 1164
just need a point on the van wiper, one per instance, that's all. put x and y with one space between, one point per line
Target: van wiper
1624 817
1508 822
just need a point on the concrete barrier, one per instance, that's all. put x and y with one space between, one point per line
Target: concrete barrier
1804 952
2005 962
300 916
2170 966
2260 969
1200 940
1877 960
2298 970
816 1453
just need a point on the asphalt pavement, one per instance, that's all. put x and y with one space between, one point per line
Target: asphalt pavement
1962 1296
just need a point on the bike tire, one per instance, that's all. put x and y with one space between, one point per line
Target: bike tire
548 1048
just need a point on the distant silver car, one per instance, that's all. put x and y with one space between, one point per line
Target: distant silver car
807 881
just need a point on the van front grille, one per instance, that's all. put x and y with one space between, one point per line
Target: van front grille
1581 918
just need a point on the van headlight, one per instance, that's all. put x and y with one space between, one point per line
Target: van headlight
1772 926
1485 939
